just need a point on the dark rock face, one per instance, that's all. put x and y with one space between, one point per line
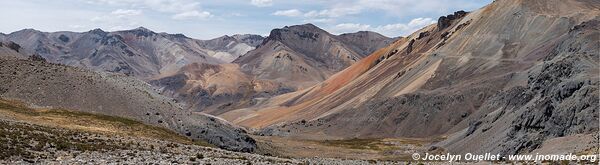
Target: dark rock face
63 38
14 46
564 107
446 21
409 48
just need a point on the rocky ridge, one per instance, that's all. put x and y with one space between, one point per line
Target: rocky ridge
138 52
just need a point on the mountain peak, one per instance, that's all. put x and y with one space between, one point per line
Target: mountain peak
141 28
28 30
141 31
303 31
364 34
98 31
304 27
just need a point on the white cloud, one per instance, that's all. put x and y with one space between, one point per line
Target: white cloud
350 27
319 20
191 15
338 11
262 3
288 13
181 9
392 30
126 13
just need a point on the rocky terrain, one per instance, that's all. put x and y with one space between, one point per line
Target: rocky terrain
40 83
303 55
501 79
138 52
55 136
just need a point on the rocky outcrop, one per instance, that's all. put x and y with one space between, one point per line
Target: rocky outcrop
445 21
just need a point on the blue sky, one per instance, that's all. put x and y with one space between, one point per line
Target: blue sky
205 19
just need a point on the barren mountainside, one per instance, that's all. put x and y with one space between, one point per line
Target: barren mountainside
514 77
218 88
366 42
43 84
139 52
303 55
501 79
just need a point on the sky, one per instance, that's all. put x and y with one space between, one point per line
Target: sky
204 19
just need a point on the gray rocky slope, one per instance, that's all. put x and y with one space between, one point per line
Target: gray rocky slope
365 42
44 84
139 52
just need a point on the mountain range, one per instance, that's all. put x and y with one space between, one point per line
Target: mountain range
272 69
197 73
513 77
138 52
304 55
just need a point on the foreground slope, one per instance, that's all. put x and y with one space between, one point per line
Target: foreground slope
507 77
58 136
44 84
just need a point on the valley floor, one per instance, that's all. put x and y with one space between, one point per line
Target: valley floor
389 149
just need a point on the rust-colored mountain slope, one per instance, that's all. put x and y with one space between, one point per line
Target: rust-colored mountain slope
492 76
